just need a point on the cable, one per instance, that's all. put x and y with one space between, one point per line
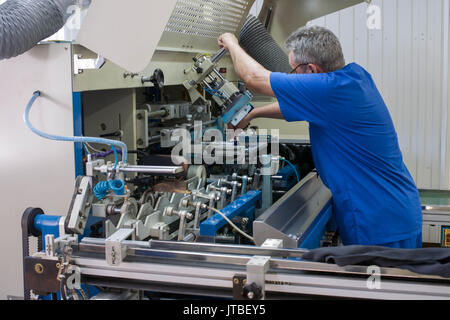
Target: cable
211 93
295 169
86 148
116 158
92 148
231 223
83 294
72 139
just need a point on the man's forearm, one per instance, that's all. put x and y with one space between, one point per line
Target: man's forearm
271 111
255 76
244 65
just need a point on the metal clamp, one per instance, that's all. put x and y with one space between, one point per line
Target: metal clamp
256 277
115 250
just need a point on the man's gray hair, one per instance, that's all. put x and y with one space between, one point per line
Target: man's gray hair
317 45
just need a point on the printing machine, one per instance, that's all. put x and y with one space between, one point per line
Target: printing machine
166 231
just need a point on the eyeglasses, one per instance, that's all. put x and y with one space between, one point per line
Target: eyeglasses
301 64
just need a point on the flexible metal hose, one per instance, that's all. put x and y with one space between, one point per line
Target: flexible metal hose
260 45
23 23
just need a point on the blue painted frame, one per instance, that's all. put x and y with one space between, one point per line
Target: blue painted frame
78 131
243 207
313 235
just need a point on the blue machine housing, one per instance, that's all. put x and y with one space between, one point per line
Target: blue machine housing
245 206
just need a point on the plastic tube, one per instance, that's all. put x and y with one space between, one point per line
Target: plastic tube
102 188
119 144
293 167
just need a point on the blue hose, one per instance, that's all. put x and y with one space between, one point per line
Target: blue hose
120 144
295 169
103 187
116 158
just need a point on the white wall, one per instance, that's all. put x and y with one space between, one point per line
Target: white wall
34 172
408 59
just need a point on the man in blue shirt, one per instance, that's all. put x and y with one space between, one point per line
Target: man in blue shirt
353 139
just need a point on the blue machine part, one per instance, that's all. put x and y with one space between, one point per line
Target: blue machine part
241 104
47 225
324 221
78 132
243 207
289 177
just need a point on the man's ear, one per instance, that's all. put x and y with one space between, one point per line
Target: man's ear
312 68
316 68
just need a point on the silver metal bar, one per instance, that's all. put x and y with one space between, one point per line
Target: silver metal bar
151 169
319 284
157 114
175 255
224 248
218 74
219 55
240 255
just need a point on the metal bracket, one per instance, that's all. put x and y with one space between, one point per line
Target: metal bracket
256 275
81 204
239 281
273 244
142 128
115 251
79 64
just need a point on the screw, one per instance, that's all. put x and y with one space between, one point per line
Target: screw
39 268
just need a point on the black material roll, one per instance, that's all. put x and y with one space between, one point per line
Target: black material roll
260 45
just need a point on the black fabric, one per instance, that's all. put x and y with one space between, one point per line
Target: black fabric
429 261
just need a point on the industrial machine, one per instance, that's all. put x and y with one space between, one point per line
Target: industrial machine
167 203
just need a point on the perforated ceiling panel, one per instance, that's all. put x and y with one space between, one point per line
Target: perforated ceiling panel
196 24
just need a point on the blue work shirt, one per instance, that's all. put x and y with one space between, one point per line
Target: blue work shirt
356 153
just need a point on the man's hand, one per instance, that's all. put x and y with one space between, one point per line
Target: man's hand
228 41
244 123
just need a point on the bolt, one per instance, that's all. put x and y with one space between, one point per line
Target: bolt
39 268
139 116
251 295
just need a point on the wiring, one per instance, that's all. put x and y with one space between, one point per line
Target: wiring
92 148
295 169
37 94
211 92
116 157
231 223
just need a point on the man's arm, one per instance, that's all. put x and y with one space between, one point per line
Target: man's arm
271 111
255 76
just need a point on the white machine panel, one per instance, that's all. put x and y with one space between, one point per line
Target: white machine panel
125 32
32 168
